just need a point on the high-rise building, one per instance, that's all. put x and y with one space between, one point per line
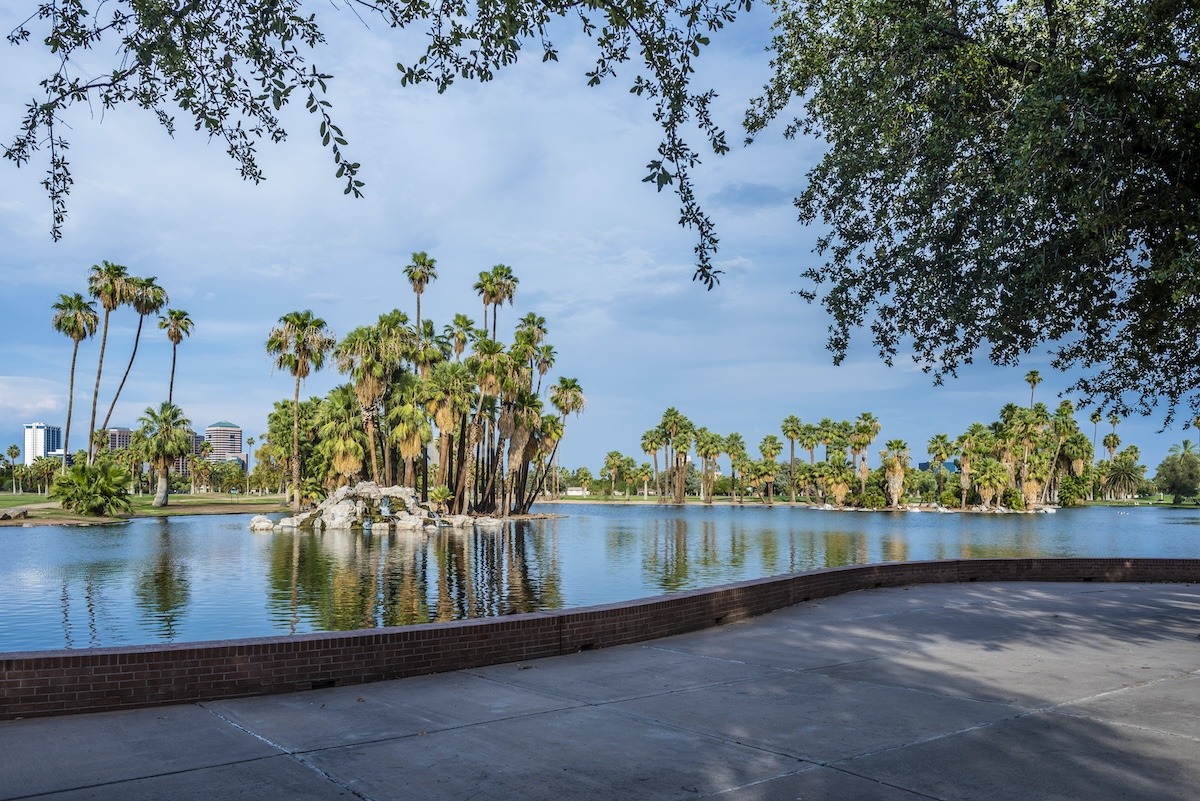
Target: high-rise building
181 467
119 438
226 441
41 440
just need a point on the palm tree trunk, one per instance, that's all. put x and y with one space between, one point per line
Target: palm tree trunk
296 447
70 406
171 385
136 339
160 496
96 391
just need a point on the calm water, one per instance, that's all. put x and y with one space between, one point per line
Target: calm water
202 578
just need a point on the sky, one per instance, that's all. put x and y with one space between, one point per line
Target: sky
535 170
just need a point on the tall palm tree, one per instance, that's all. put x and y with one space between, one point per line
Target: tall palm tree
166 436
990 479
148 298
299 344
341 433
791 429
1096 417
1032 378
652 441
459 332
895 461
770 447
76 317
178 325
420 271
506 289
112 285
735 449
362 354
940 448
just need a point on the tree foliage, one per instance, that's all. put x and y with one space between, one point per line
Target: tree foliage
98 489
230 68
1002 175
1179 476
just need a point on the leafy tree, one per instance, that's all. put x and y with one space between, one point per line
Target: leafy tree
959 137
1179 476
99 489
75 317
299 343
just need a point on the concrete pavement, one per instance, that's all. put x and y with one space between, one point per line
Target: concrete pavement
981 691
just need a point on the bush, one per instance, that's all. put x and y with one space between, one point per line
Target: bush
951 499
1072 490
873 499
1012 499
95 490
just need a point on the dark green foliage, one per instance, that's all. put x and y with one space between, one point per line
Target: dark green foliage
1003 176
1012 499
873 498
99 489
1072 490
951 499
1179 476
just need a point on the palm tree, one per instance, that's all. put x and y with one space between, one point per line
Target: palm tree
506 289
735 449
341 433
420 272
940 448
362 354
770 447
178 325
708 448
166 436
76 317
990 478
652 441
13 453
148 298
458 333
1111 442
791 429
895 461
299 343
1096 417
1032 378
112 285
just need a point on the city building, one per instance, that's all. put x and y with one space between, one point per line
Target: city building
41 440
226 441
119 438
180 467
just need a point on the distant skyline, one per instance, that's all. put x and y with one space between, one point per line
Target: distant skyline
534 170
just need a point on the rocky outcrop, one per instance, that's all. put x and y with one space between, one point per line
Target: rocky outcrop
368 505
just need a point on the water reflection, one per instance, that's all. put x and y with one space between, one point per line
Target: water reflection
338 580
187 579
163 588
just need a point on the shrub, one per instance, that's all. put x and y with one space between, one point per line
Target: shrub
951 499
1012 499
873 499
99 489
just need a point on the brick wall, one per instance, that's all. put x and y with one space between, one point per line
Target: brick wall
63 682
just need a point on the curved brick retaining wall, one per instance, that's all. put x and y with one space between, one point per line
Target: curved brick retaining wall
62 682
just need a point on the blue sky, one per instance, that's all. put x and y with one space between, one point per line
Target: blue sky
535 170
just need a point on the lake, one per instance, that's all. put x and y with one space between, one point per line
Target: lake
183 579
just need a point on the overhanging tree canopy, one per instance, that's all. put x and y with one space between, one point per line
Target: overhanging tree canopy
1000 174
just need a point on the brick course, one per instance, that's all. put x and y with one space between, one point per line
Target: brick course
38 683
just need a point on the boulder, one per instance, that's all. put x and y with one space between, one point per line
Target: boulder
261 523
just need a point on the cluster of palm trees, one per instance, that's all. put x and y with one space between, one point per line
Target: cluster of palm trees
475 401
1029 456
164 435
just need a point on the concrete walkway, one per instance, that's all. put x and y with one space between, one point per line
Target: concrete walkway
981 691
